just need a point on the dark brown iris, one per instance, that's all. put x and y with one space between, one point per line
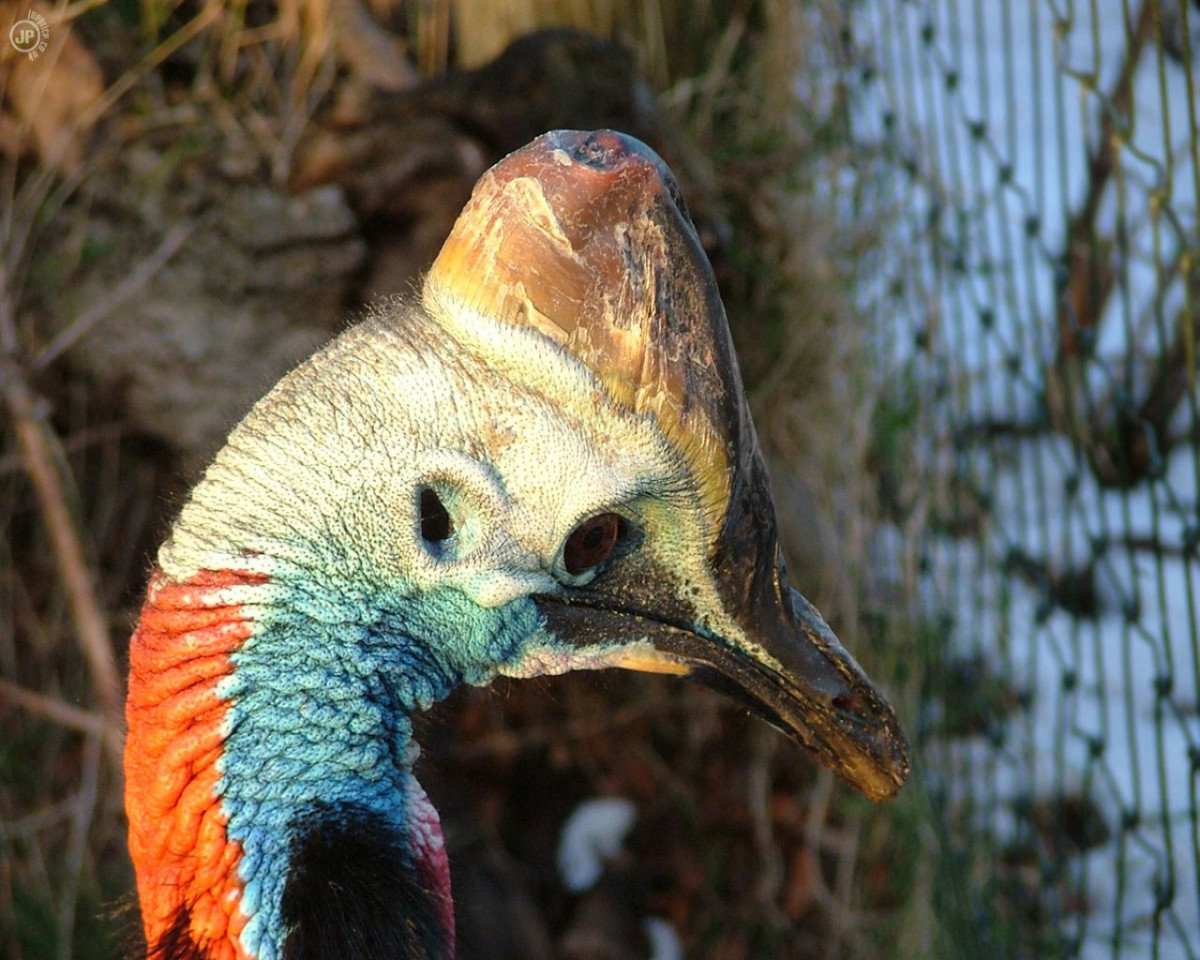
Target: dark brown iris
591 543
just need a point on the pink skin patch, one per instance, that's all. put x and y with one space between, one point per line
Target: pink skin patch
429 851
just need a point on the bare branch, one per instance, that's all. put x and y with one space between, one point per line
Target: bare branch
81 825
91 625
56 711
136 280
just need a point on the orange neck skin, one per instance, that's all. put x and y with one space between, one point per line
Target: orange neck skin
186 866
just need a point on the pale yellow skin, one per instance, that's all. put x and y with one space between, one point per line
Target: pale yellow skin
521 441
569 356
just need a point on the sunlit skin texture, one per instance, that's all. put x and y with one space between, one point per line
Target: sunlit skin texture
178 655
567 368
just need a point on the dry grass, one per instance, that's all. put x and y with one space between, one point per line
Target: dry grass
84 500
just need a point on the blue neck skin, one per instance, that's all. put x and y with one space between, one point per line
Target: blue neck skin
320 700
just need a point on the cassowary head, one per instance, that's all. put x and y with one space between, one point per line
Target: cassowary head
545 463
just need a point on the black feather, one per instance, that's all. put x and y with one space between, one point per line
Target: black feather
177 943
354 893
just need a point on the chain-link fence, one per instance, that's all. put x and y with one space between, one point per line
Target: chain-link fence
1038 444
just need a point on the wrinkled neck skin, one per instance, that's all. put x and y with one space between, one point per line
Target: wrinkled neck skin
314 764
295 624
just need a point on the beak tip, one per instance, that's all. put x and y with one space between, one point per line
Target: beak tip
876 765
883 759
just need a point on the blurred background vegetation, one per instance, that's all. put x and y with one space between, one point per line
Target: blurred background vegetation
195 195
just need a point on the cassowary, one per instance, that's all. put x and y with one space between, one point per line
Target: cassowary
543 463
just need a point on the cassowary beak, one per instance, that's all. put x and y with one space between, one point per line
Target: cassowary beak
777 657
584 238
797 676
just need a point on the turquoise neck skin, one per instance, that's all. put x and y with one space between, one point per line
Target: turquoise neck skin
320 700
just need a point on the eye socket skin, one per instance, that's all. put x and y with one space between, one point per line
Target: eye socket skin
591 543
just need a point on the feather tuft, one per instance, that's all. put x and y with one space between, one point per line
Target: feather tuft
354 892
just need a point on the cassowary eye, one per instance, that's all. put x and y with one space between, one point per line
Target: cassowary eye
338 868
591 542
436 525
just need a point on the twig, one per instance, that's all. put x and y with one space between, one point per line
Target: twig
104 307
820 837
81 824
80 440
503 742
32 823
56 711
815 827
91 627
758 790
1090 274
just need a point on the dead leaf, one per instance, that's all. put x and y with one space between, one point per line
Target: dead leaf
49 91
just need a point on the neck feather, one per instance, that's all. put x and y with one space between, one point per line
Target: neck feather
273 812
358 890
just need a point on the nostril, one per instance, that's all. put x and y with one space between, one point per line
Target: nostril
846 704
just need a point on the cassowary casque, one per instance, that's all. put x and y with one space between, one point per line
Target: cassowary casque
545 463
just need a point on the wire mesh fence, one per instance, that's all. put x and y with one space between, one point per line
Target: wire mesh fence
1038 443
